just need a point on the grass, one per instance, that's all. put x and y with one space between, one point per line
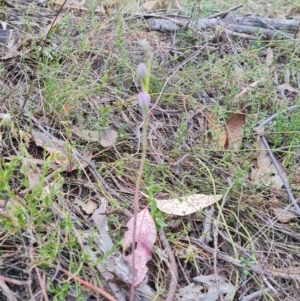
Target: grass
86 77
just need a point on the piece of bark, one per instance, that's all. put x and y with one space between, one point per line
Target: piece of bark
266 33
162 25
267 23
171 25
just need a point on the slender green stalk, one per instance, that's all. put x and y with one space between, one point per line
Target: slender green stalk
144 99
136 198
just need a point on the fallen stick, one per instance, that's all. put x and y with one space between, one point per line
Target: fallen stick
279 24
260 132
173 24
225 12
284 274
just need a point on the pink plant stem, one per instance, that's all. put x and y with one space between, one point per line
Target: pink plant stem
136 201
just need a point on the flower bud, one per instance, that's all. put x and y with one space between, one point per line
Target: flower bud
143 100
141 70
147 49
145 45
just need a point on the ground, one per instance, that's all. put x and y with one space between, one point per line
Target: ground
72 144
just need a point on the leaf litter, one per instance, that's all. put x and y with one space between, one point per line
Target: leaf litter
187 204
234 128
145 239
207 288
106 137
264 171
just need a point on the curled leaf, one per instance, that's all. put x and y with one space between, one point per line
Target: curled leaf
234 127
145 239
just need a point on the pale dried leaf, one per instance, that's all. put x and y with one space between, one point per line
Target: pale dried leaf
33 175
149 5
108 272
207 288
100 220
219 132
288 87
234 127
265 171
283 215
55 147
109 137
173 4
145 239
187 204
269 58
51 146
89 207
90 136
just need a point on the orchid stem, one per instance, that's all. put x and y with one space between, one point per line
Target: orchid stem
136 198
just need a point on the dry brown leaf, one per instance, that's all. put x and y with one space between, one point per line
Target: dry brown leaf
109 138
55 147
269 58
173 4
89 207
284 215
219 132
149 5
187 204
161 4
51 146
207 287
265 171
288 87
33 175
87 135
234 127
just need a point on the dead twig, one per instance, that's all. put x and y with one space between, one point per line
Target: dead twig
173 265
207 225
284 274
216 234
7 292
255 295
14 281
90 286
42 284
222 13
260 132
3 99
